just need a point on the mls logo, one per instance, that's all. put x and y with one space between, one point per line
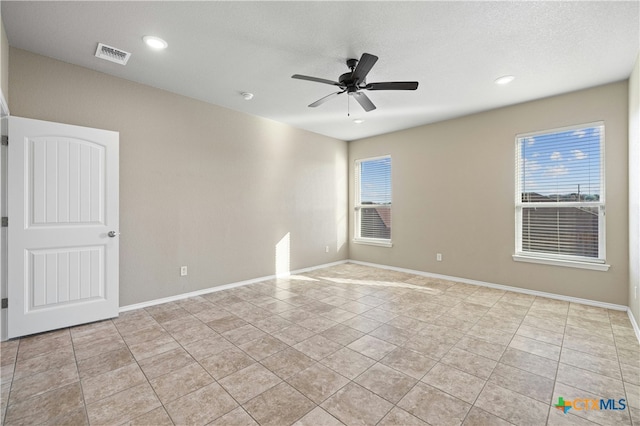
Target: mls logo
590 404
563 405
610 404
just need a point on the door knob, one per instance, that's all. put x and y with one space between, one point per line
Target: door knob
113 233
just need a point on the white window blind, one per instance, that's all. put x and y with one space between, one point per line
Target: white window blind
373 199
560 203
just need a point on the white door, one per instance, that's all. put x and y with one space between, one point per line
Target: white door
63 225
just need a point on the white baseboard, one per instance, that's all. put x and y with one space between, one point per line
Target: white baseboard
589 302
392 268
376 265
224 287
634 324
500 287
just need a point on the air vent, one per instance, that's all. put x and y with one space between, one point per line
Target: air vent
112 54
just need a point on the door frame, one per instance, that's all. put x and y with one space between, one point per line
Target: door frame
4 120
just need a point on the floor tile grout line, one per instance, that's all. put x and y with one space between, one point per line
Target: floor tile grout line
194 359
555 377
488 378
624 387
557 372
316 362
215 380
349 380
84 401
145 376
15 364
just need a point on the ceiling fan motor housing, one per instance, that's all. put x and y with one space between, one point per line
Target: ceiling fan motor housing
347 79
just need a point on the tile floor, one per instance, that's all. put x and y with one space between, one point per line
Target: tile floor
343 345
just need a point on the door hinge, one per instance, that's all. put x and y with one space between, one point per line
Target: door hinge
5 303
5 221
5 140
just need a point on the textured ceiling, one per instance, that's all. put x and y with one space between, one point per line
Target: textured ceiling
454 49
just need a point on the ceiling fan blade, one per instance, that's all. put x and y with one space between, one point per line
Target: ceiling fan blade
364 101
325 99
365 64
393 85
316 79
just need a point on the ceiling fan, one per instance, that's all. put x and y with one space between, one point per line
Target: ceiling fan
354 82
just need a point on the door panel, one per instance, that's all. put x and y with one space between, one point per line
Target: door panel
67 182
63 201
64 275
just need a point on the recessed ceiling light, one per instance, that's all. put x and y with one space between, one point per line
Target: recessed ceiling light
358 121
155 42
505 79
247 96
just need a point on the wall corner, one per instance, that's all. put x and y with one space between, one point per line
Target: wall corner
634 193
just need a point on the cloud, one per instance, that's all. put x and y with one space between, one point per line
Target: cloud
530 166
578 155
556 156
579 133
530 141
558 170
535 155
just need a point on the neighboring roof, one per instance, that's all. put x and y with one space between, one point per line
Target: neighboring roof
385 215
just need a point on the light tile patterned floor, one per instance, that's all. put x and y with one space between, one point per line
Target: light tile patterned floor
344 345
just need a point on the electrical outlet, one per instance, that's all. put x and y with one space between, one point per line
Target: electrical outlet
326 249
183 271
439 257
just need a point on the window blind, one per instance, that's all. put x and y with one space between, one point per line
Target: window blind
560 192
373 198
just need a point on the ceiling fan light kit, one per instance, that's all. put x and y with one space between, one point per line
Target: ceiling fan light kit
354 82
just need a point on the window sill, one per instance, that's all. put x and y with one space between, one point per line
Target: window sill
368 242
562 262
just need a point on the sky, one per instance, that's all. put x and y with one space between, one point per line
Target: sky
563 162
556 163
375 182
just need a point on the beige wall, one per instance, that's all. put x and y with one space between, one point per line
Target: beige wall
634 192
200 185
217 190
453 193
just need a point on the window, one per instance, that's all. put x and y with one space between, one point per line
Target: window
373 201
560 202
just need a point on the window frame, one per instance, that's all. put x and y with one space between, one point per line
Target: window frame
358 206
573 261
